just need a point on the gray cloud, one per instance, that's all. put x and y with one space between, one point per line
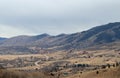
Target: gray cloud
55 16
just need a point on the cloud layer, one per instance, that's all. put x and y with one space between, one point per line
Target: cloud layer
28 17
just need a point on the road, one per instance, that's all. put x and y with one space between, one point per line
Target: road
37 62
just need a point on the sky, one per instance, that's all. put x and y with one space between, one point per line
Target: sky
34 17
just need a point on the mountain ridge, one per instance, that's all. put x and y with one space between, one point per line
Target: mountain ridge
103 34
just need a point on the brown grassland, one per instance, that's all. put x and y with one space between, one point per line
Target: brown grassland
68 59
106 73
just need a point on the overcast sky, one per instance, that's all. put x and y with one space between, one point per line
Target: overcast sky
33 17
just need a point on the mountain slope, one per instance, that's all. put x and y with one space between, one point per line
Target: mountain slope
99 35
2 39
22 40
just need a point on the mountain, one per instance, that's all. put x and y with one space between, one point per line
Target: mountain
99 35
2 39
22 40
103 34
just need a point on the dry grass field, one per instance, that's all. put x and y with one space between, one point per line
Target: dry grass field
17 74
11 57
106 73
63 64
